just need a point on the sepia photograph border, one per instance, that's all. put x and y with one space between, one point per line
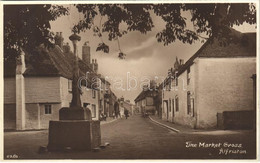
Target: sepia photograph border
2 3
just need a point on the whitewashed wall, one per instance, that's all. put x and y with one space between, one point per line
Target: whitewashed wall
224 84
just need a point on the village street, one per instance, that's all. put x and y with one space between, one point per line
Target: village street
138 138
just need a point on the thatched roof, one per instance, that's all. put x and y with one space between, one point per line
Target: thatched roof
48 62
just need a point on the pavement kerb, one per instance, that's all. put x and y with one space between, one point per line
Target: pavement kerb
168 127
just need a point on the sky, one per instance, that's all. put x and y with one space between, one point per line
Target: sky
145 57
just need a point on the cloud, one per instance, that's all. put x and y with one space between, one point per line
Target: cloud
148 43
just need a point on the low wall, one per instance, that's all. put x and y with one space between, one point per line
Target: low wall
236 120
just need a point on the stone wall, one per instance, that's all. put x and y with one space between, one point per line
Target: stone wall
32 116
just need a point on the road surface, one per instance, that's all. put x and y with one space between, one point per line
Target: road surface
140 138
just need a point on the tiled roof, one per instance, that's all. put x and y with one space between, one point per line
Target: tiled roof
145 93
244 47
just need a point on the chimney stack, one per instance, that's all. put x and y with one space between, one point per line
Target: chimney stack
86 53
95 66
176 64
59 39
66 48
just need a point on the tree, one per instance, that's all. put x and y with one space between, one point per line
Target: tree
210 19
27 26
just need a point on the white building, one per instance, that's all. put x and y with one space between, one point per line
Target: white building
214 80
40 85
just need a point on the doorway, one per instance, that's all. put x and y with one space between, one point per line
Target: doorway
166 109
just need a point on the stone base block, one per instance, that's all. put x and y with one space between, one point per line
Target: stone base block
79 113
74 135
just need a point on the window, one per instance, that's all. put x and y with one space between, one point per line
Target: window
173 83
165 106
188 76
192 107
170 85
162 93
149 101
93 93
177 103
188 103
100 105
176 81
47 109
144 102
93 111
170 106
85 105
173 105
